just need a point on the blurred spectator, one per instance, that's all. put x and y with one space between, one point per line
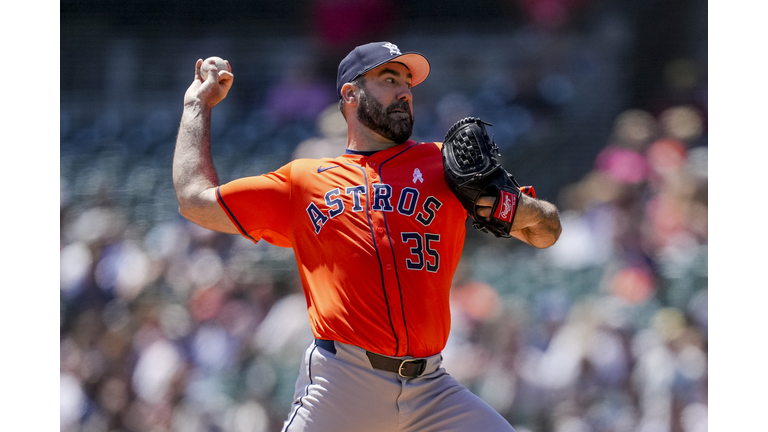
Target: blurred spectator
342 24
450 109
551 14
299 95
332 140
622 159
684 83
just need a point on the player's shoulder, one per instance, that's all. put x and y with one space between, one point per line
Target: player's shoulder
303 167
428 149
420 155
427 146
309 162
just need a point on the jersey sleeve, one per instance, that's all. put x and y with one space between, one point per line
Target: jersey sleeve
258 206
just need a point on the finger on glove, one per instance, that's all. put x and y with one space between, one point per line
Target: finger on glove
484 205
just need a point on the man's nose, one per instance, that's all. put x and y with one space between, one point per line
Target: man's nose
405 94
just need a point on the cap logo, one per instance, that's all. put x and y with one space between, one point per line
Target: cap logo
393 49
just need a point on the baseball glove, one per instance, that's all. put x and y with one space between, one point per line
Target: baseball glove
472 170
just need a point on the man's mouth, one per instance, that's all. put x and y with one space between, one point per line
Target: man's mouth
400 108
399 111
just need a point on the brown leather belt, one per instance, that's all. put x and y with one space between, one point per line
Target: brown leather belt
406 368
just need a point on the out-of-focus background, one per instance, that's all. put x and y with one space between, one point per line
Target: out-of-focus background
600 104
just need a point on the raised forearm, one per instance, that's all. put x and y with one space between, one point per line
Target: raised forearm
194 176
193 169
537 222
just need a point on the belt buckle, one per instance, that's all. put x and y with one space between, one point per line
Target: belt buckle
406 361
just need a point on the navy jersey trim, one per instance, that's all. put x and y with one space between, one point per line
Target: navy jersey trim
232 215
378 257
361 152
394 258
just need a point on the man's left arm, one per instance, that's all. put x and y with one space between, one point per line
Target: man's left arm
537 222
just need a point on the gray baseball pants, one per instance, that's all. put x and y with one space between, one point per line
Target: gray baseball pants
342 392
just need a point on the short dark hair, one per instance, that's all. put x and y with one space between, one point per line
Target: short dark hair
360 82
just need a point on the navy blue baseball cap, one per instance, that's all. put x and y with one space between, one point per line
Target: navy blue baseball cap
370 56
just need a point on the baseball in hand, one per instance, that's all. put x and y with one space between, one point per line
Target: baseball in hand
210 62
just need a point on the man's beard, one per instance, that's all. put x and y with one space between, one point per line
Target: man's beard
372 114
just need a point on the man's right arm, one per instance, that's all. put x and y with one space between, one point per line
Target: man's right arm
194 175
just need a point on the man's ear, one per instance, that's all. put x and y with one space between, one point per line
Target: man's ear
349 92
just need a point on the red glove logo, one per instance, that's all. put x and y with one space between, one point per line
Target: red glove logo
507 207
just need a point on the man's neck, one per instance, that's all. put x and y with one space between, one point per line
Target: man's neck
360 138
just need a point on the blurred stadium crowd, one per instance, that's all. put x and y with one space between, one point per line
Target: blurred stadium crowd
166 326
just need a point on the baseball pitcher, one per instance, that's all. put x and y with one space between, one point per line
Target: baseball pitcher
377 233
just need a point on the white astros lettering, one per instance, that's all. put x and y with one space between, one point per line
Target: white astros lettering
407 204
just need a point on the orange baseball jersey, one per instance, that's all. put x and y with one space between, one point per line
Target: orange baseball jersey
377 239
